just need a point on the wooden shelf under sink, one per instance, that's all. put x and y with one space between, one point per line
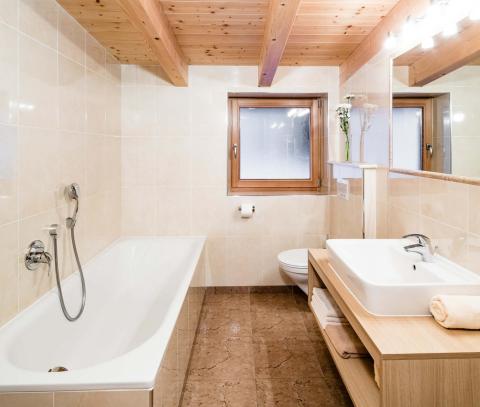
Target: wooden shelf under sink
418 362
358 374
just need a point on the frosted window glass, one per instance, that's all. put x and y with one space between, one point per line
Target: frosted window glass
407 138
274 143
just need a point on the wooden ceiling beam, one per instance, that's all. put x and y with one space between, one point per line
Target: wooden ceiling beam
375 41
148 17
448 55
280 18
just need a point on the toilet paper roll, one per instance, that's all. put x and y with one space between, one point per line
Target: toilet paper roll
246 210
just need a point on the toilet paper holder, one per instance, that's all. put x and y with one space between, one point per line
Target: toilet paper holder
240 208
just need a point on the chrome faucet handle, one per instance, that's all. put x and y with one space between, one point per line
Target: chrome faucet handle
36 256
423 241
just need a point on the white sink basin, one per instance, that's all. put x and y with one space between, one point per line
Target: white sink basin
389 281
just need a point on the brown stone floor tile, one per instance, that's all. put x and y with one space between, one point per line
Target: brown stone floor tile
222 359
313 330
223 301
295 393
325 359
278 325
273 302
223 323
234 393
288 358
301 300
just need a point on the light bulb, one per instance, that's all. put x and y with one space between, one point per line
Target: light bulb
408 28
428 43
450 29
391 41
475 13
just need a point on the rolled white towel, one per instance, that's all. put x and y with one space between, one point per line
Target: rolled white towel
456 311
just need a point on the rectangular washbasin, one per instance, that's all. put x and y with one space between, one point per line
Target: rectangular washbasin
389 281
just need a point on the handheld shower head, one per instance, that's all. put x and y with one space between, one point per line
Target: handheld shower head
73 191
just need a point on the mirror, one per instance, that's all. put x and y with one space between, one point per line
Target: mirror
436 105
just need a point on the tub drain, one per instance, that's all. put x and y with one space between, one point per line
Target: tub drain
58 369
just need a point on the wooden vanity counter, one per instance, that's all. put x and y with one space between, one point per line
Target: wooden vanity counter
417 362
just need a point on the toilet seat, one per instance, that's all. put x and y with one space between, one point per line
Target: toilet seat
294 261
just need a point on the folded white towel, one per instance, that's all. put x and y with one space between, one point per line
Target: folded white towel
456 311
332 309
324 311
319 310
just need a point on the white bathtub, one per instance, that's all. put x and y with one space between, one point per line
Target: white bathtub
135 291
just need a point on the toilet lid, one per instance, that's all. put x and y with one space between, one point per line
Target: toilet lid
297 258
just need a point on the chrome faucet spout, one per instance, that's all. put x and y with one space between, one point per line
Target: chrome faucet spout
423 246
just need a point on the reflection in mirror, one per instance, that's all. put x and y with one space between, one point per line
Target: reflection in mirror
436 108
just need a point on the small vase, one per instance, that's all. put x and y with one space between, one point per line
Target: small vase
348 156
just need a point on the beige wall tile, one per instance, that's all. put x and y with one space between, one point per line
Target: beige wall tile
9 13
37 84
95 99
126 398
216 259
402 222
26 399
8 272
38 19
72 157
444 201
174 162
95 55
209 211
39 149
174 212
404 192
71 38
139 211
9 174
71 95
209 161
473 209
8 67
245 261
273 245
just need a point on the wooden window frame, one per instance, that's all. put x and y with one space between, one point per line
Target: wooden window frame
268 186
427 124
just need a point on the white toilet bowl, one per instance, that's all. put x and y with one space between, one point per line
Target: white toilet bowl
295 264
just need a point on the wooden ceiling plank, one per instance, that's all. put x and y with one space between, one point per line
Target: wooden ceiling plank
281 16
149 19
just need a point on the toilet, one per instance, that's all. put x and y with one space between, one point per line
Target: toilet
295 264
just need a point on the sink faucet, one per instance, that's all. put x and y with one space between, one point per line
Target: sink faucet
423 247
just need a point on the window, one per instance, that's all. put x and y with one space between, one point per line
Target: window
412 144
275 144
